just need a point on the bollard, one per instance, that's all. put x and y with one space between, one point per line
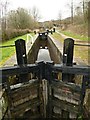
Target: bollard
47 31
35 32
53 29
51 32
68 58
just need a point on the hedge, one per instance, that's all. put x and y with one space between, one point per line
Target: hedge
11 33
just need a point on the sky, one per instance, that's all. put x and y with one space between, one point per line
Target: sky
48 9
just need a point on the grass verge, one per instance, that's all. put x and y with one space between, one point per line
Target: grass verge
80 52
74 35
7 52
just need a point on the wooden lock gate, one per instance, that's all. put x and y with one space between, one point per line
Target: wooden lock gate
37 92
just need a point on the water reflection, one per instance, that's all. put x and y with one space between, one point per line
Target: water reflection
43 55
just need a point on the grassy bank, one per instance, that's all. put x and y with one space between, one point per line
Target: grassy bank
7 52
74 35
79 51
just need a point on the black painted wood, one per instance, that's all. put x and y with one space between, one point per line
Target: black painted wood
68 51
68 57
79 70
21 52
21 57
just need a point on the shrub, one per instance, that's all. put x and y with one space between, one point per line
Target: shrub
9 33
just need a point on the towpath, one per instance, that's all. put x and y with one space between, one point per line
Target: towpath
12 60
77 59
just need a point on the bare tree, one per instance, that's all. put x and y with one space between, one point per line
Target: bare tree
60 16
71 8
3 13
35 13
84 7
72 11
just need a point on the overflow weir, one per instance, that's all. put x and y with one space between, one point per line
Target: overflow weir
44 82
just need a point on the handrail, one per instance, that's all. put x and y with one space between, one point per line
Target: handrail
88 45
7 46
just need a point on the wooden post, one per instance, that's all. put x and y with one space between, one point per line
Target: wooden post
49 107
21 52
68 52
68 57
21 57
83 90
40 77
67 61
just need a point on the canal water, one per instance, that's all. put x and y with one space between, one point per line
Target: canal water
43 55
